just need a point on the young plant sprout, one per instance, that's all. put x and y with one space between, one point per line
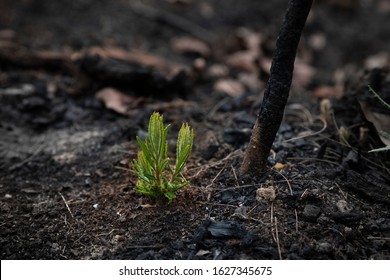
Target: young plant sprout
156 177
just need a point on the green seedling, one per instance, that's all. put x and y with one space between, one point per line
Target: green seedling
156 177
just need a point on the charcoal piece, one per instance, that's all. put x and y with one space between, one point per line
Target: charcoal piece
346 218
311 212
201 232
226 229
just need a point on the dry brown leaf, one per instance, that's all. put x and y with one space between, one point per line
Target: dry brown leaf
229 86
243 60
328 92
379 120
252 40
8 35
303 74
218 71
265 64
116 100
246 60
251 81
190 45
166 67
379 60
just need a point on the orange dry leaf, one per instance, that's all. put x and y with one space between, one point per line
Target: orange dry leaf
190 45
379 120
279 165
166 67
116 100
229 86
328 92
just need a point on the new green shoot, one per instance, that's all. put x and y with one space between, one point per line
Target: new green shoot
156 176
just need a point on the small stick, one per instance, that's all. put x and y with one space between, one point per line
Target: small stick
277 238
272 222
288 183
296 221
378 238
212 183
66 204
235 175
324 127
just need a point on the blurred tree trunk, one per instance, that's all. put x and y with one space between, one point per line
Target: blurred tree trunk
277 90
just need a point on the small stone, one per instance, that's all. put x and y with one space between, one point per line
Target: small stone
311 212
226 229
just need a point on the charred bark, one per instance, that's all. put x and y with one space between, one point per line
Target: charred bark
277 90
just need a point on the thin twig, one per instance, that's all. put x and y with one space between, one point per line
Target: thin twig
107 234
212 183
325 125
306 112
277 238
288 183
66 204
235 175
217 106
379 97
378 238
207 167
272 221
31 157
296 221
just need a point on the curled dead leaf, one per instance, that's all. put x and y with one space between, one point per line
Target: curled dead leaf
379 120
190 45
229 86
328 92
243 60
116 100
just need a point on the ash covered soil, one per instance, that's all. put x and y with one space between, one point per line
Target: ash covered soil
79 80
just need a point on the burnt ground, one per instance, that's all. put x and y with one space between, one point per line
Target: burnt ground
79 80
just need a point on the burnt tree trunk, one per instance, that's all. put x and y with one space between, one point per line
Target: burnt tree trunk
277 90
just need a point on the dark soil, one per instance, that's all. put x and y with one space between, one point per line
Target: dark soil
66 186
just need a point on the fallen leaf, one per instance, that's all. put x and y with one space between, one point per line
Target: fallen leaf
166 67
116 100
251 81
190 45
379 120
379 60
229 86
303 74
243 60
279 165
328 92
247 58
218 71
